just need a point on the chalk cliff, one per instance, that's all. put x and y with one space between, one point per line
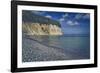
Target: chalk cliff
41 29
33 24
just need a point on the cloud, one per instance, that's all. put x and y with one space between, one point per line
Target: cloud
69 22
48 16
65 15
61 19
38 12
78 16
72 23
76 23
86 16
82 16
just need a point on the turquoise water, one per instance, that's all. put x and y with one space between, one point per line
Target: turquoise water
50 48
78 45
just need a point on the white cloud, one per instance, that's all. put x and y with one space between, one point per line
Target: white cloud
86 16
78 16
72 23
82 16
48 16
62 19
76 23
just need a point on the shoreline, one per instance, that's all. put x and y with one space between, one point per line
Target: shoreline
34 50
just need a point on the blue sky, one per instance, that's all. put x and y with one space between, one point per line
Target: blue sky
71 23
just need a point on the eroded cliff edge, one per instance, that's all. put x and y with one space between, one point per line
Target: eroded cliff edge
33 24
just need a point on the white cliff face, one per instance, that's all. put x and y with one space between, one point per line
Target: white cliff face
54 30
41 29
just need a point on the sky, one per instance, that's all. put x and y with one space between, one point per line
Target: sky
71 23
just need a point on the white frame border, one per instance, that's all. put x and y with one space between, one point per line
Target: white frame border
53 63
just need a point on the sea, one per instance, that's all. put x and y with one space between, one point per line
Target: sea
75 44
